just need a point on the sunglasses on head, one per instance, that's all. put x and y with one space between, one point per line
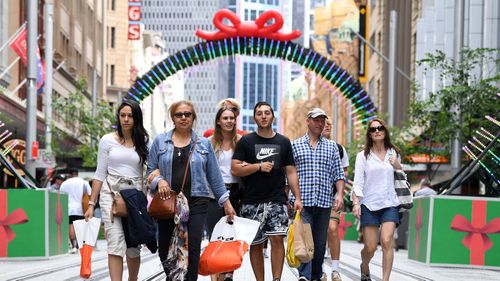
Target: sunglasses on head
377 129
186 114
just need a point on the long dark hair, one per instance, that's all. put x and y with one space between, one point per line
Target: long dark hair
387 139
140 136
217 137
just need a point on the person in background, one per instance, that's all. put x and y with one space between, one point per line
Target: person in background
374 198
425 188
232 104
58 180
170 153
321 185
224 142
121 158
333 236
264 159
74 187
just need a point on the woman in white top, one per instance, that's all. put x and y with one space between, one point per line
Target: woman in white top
224 141
121 157
374 197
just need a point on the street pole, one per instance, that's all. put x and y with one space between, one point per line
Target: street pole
392 64
456 153
31 15
94 101
49 12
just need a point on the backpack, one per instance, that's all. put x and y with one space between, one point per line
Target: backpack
341 150
138 226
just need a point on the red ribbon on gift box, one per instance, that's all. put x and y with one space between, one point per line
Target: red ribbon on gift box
18 216
418 226
255 28
343 226
476 240
59 220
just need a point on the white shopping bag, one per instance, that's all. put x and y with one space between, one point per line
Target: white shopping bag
244 229
86 232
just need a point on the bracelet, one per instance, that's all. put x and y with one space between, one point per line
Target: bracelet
355 203
91 203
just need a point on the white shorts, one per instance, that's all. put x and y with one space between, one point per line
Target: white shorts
115 236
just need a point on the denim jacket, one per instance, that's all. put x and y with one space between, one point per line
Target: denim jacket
205 172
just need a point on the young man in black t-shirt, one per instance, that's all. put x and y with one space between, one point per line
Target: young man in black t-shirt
263 159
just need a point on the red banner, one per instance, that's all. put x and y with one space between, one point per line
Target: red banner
20 45
343 226
18 216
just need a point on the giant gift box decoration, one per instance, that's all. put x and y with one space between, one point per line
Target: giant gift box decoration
347 227
457 231
26 217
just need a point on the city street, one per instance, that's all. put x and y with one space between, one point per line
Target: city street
67 267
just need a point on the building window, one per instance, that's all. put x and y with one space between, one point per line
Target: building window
112 74
113 5
113 31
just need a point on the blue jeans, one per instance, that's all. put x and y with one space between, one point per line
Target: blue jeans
318 218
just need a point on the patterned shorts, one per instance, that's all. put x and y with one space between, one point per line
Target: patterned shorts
335 215
273 218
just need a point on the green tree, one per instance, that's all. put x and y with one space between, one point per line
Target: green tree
464 87
76 113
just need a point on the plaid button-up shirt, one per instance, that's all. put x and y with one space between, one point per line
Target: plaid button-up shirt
318 170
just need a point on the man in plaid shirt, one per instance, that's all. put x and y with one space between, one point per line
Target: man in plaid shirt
319 168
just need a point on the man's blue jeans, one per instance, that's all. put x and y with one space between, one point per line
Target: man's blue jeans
318 218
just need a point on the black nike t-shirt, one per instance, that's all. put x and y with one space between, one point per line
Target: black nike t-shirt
262 187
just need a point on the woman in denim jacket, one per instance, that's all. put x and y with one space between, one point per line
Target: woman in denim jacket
169 154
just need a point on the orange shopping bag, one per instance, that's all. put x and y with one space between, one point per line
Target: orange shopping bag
225 251
85 266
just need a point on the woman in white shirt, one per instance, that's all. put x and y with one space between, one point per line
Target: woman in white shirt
374 197
224 141
120 162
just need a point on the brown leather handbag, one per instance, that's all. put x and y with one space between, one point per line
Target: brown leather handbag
165 209
118 206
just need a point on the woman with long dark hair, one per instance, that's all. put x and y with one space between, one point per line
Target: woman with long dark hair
120 164
170 153
374 198
224 141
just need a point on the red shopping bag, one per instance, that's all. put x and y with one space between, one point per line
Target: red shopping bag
225 251
85 266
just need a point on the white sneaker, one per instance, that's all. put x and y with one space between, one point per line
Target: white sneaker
72 251
336 276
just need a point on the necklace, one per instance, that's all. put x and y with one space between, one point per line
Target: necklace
179 152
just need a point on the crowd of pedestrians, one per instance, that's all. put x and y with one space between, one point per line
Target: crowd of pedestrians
255 175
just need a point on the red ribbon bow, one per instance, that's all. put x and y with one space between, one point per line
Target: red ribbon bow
18 216
343 226
460 223
255 28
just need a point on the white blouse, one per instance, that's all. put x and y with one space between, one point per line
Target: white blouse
374 181
116 159
224 159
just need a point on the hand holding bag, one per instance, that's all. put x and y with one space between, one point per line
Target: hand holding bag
403 192
303 240
165 209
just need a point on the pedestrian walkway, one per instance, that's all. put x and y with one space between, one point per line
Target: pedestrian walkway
67 267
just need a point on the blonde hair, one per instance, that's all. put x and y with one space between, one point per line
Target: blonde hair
232 101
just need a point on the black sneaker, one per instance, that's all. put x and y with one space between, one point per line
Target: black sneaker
228 277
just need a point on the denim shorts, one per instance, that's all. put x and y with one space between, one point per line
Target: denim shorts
376 218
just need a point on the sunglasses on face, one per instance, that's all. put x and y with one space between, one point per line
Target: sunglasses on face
377 129
183 114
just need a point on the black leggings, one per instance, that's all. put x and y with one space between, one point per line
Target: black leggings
196 223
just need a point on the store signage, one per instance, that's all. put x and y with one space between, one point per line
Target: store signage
362 52
18 152
134 19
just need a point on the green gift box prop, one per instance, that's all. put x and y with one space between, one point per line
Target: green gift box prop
457 231
347 227
33 223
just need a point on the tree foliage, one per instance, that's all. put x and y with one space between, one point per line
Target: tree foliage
76 113
468 86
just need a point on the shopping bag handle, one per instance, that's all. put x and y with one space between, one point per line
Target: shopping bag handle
297 216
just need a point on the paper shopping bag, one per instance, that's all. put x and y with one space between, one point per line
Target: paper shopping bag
303 240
